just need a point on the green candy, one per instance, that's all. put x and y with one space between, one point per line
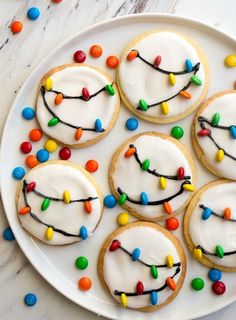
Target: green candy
154 272
81 263
220 252
145 165
53 122
196 80
177 132
122 199
143 105
197 284
110 90
215 119
45 204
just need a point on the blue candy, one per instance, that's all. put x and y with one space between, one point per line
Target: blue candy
8 234
18 173
233 132
144 198
109 201
154 298
33 13
83 233
28 113
98 125
30 299
188 65
42 155
135 254
131 124
206 213
214 275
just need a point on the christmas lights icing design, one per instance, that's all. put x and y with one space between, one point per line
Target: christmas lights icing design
206 132
31 187
207 213
189 68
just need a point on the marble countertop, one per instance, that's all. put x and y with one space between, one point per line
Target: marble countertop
19 55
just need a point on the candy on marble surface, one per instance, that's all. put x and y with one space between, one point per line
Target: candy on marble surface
8 234
25 147
31 161
42 155
18 173
131 124
50 145
35 135
112 62
33 13
28 113
91 166
85 284
16 26
197 284
65 153
81 262
79 56
95 51
177 132
30 299
123 219
109 201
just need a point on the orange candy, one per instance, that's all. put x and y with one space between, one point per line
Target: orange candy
91 166
95 51
58 99
84 284
112 62
16 27
227 213
88 206
132 55
185 94
35 135
172 223
130 152
171 283
31 161
24 211
167 207
78 134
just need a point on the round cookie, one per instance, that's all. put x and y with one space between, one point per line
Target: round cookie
59 203
77 104
152 175
163 76
214 134
142 265
210 225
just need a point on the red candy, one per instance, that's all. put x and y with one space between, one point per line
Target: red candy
139 287
204 132
218 287
180 173
114 245
85 94
172 223
91 166
157 61
56 1
65 153
25 147
79 56
31 186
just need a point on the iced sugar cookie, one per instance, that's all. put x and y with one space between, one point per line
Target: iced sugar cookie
214 134
163 76
210 225
152 175
59 203
77 104
142 265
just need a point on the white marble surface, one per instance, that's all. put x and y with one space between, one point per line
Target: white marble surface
18 57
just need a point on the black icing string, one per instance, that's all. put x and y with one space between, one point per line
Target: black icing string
216 214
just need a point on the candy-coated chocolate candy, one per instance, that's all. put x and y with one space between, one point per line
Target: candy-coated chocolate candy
81 263
50 145
31 186
122 199
144 198
49 233
114 245
234 85
48 84
85 284
25 147
109 201
172 223
91 166
233 132
79 56
16 26
78 133
214 275
98 125
197 254
188 65
130 152
172 79
33 13
18 173
131 124
132 55
25 210
58 99
169 261
28 113
204 132
206 213
88 206
154 298
35 135
135 254
171 283
163 183
227 213
42 155
45 204
145 164
218 287
85 94
157 61
95 51
143 105
122 219
197 284
220 155
30 299
53 122
31 161
220 251
165 108
177 132
185 94
180 173
66 196
167 207
196 80
215 119
56 1
123 300
110 89
139 287
8 234
83 233
112 62
65 153
230 61
154 272
189 187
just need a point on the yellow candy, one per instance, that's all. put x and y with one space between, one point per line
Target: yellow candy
66 197
172 79
122 218
169 261
230 61
50 145
189 187
163 183
197 254
49 233
220 155
123 300
48 84
165 108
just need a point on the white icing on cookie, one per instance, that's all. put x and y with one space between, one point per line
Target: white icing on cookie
52 179
225 105
216 231
70 81
166 157
122 274
139 81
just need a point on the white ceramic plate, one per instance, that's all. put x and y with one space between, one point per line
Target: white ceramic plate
56 265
